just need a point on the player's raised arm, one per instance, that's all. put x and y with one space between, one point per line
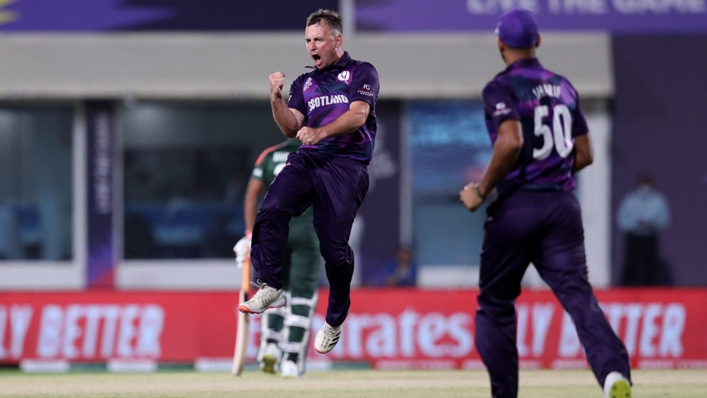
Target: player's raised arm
350 121
347 123
289 120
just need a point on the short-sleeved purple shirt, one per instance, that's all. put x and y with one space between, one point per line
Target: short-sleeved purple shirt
322 96
547 106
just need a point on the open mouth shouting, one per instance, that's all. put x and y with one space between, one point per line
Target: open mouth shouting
317 60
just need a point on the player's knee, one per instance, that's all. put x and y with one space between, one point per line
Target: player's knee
337 255
268 208
494 306
272 213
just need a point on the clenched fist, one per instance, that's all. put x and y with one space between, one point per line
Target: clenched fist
471 196
277 80
309 135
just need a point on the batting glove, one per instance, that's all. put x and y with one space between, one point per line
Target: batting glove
242 250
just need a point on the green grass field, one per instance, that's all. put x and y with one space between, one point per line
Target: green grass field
341 384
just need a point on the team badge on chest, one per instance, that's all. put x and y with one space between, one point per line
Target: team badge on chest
345 76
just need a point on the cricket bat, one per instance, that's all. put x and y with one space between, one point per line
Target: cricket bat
243 323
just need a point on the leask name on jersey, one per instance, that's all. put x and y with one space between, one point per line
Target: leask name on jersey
324 100
547 90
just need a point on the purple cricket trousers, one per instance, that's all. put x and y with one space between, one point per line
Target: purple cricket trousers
335 187
544 228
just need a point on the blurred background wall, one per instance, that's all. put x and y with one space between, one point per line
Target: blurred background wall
659 119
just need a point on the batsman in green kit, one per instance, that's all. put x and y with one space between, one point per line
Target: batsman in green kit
285 331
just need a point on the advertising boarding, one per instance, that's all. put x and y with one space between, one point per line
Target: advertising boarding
386 329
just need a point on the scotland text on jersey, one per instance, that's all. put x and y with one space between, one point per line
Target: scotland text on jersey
324 100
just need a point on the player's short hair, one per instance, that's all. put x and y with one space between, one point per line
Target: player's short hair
329 17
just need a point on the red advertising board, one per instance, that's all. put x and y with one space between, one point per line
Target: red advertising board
662 328
97 326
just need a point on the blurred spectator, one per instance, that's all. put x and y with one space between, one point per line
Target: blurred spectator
402 271
642 215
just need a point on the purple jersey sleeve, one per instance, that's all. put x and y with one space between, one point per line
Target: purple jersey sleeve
499 104
296 99
364 86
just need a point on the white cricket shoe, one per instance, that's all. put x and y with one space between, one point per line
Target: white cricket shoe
268 361
617 386
327 337
289 369
266 297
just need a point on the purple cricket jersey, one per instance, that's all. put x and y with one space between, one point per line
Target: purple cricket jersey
322 96
547 107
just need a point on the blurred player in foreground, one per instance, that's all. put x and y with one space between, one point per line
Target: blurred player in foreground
331 109
284 332
540 140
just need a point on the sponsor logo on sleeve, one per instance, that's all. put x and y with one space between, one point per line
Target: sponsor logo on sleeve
307 84
501 109
366 90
